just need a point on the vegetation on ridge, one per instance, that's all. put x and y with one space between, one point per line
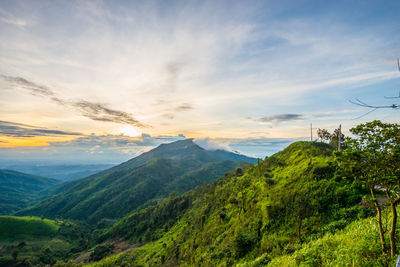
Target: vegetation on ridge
269 209
19 190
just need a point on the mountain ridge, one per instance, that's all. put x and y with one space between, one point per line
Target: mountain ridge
18 189
261 212
110 194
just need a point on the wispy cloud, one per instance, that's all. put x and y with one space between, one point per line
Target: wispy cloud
173 69
8 18
33 88
100 112
92 110
13 21
281 118
184 107
14 129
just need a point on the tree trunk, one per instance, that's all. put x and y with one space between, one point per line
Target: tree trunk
392 233
382 237
299 223
379 217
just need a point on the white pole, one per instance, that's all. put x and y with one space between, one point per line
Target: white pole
340 136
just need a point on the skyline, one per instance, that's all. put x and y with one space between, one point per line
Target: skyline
97 79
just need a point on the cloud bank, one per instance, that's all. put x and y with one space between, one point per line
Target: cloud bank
13 129
209 144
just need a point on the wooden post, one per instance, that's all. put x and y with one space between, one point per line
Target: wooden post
339 136
311 131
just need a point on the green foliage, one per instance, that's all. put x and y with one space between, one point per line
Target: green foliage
114 193
356 245
101 251
18 190
292 209
26 241
247 216
243 242
154 220
374 159
12 227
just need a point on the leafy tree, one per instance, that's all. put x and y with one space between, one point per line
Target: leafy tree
334 139
374 159
303 208
324 135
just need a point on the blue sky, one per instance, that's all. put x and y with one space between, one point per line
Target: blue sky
248 75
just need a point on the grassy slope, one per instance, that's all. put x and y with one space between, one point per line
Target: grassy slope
37 241
356 245
18 190
243 217
12 227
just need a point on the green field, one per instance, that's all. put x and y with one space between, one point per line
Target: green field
35 241
12 227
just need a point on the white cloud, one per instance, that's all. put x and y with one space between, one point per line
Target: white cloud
212 145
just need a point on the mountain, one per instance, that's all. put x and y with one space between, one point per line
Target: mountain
18 190
183 149
272 212
113 193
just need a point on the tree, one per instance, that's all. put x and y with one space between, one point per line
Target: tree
302 208
337 137
333 138
323 134
374 159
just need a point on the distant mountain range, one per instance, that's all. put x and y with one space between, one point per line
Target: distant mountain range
18 190
67 172
115 192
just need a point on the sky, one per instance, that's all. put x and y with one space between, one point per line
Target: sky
102 81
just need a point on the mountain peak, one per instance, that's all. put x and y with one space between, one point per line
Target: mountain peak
185 143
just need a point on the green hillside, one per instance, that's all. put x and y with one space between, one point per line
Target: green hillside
12 227
252 215
32 241
18 190
356 245
116 192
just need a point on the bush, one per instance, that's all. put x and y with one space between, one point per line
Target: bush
101 252
243 243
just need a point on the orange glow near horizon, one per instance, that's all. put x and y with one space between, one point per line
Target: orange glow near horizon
35 141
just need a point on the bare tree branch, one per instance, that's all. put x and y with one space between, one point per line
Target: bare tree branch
358 102
362 104
365 114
